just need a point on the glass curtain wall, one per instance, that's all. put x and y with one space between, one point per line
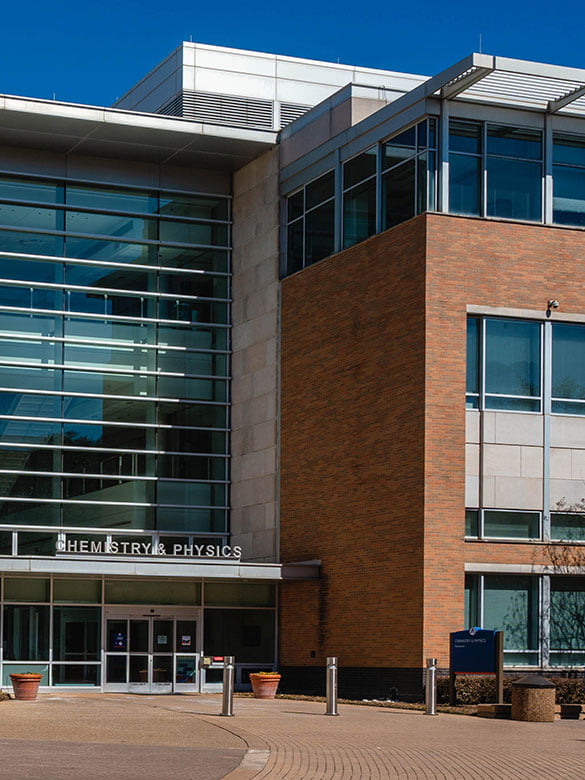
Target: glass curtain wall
114 315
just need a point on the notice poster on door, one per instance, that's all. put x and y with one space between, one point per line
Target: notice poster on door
186 640
161 639
119 641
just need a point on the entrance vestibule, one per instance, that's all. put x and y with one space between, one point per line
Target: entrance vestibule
152 652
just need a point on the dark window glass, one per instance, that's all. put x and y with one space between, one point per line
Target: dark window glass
567 527
359 213
5 542
568 149
569 195
296 205
189 519
195 363
399 194
514 142
465 137
473 347
108 436
194 207
108 463
193 336
294 253
191 467
30 189
511 605
29 351
104 330
567 613
568 361
185 440
31 243
114 278
77 674
359 168
114 199
28 513
471 522
214 234
197 389
514 189
319 231
105 516
110 251
121 226
26 633
30 217
319 190
399 148
516 525
201 259
76 633
512 357
197 415
30 271
246 633
421 183
464 184
36 544
191 494
200 284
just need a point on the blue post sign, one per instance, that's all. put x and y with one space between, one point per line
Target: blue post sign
473 651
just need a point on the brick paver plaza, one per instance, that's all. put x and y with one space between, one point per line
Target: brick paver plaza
175 737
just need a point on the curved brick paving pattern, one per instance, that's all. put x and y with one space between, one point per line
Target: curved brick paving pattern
168 737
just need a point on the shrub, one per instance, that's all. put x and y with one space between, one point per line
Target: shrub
482 690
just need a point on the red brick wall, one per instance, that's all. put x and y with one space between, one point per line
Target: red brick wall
373 427
484 263
352 396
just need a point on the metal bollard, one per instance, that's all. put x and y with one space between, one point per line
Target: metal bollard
227 709
331 687
431 687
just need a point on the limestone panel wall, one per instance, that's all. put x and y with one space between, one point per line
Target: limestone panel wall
255 289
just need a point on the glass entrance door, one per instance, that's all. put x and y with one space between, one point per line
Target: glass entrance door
151 654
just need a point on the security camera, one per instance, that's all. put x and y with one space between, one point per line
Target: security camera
552 304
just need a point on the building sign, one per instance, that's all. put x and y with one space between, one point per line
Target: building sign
119 641
146 549
473 651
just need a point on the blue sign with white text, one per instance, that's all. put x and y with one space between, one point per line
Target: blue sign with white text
473 651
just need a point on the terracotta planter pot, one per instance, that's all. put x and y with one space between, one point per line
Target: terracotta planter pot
25 686
264 686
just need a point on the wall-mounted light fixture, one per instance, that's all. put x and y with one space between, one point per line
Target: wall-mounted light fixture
551 304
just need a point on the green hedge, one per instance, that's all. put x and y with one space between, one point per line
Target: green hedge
482 690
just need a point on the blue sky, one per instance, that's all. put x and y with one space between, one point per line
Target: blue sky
92 52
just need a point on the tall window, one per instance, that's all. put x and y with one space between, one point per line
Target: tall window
359 197
311 223
512 160
568 179
508 354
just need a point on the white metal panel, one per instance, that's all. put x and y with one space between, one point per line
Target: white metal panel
295 92
242 62
314 73
229 83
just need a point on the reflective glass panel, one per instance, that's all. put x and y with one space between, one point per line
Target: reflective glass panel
516 525
512 357
567 613
211 234
398 192
359 168
568 362
465 137
31 243
26 589
195 207
319 190
31 271
359 213
565 526
193 337
240 594
294 250
473 354
514 189
122 226
514 142
246 633
296 205
568 149
114 199
569 195
110 251
319 233
26 633
86 591
464 184
511 605
30 189
30 217
128 592
201 259
76 633
471 522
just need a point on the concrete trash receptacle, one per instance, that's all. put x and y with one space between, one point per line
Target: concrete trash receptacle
533 699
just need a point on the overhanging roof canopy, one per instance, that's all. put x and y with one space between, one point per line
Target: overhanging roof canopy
107 132
499 80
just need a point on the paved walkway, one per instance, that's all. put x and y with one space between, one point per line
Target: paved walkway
175 737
